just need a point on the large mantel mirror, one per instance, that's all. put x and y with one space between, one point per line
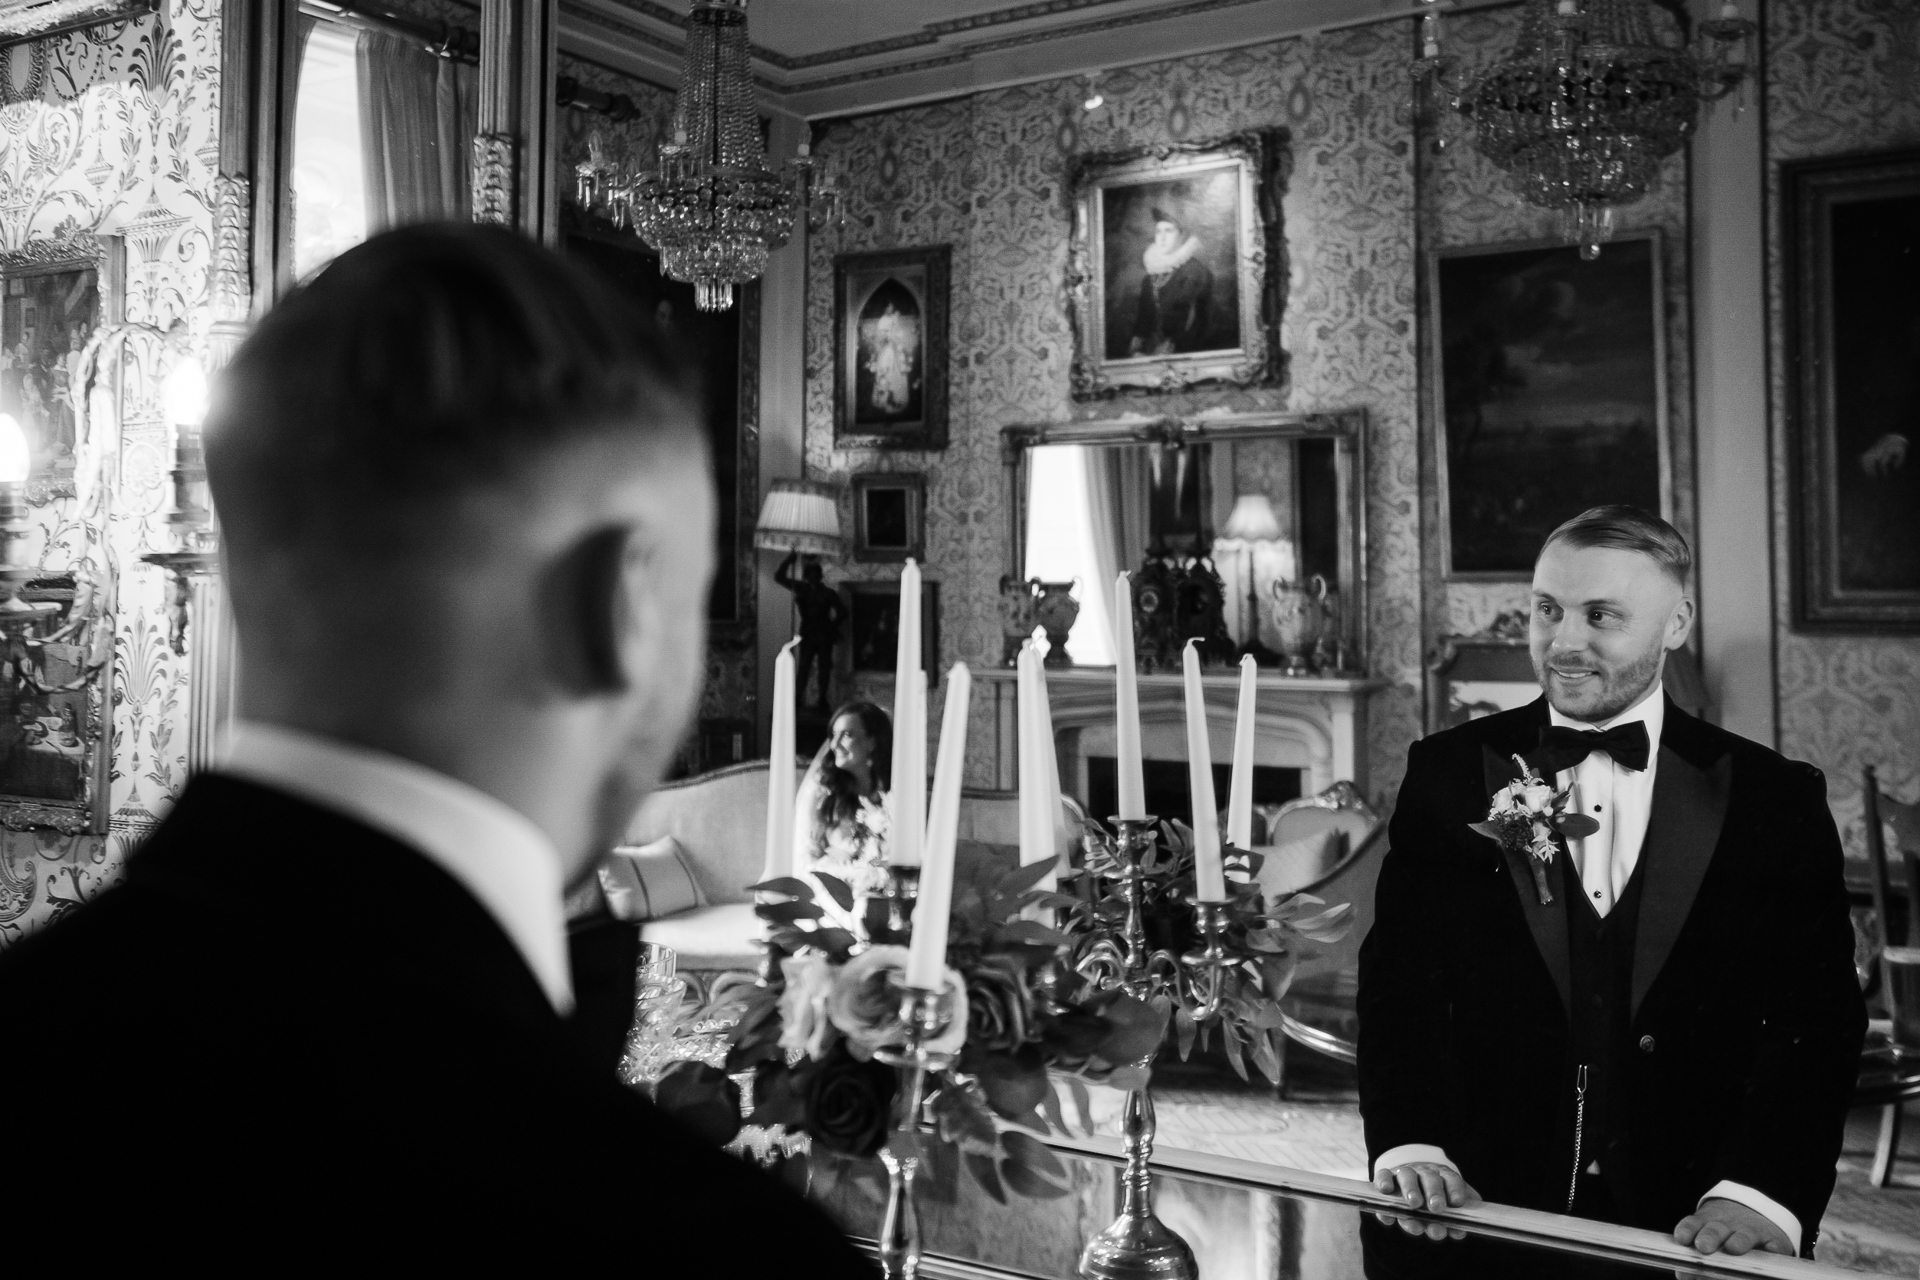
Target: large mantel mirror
1245 530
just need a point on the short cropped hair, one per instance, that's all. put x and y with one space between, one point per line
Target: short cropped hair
1628 528
416 368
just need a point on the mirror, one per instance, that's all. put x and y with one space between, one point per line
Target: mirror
384 117
1249 526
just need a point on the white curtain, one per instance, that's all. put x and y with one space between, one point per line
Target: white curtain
1117 497
417 119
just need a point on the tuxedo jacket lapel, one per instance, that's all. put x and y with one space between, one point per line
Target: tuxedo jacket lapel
1546 921
1689 808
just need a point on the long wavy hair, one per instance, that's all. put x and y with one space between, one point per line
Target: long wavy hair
839 797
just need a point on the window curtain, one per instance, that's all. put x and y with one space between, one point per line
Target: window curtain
1118 490
417 119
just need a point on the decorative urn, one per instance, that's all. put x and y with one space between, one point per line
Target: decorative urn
1056 609
1299 610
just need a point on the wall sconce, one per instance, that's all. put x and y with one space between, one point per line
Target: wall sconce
1095 99
183 397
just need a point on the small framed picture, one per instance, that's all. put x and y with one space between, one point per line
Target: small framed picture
890 349
873 625
1473 676
889 516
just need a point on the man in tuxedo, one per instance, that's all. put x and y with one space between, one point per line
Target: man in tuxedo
324 1021
1663 1028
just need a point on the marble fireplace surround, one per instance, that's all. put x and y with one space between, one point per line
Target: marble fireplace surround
1315 724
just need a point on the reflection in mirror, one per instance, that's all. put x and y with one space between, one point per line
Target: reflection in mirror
1093 510
383 128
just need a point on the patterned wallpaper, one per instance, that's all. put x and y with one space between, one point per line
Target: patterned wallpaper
1843 77
114 131
986 174
1465 200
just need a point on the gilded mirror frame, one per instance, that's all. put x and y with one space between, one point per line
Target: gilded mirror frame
1346 428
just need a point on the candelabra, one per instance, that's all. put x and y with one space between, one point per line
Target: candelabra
903 890
926 1015
1137 1244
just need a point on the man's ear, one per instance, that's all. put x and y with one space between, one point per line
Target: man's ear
588 601
1680 624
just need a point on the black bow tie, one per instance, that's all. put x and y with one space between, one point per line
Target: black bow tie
1563 748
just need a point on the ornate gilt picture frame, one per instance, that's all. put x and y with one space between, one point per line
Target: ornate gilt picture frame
1177 266
890 348
59 301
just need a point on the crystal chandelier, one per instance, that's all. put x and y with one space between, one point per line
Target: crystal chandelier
711 209
1586 104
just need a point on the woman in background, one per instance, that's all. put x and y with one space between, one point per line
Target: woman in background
840 809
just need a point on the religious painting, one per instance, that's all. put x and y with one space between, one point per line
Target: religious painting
1173 266
53 295
56 656
890 349
722 348
873 626
1853 332
1551 394
889 517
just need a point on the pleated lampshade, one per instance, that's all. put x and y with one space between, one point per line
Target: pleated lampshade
802 516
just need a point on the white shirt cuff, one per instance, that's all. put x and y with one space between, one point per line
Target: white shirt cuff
1420 1153
1766 1206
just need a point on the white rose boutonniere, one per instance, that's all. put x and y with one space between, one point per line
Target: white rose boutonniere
1526 815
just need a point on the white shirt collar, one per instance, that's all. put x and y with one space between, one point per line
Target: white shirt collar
1652 708
506 862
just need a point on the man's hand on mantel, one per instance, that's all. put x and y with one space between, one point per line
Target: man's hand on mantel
1424 1185
1727 1226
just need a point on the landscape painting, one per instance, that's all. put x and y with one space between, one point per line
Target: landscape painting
1551 394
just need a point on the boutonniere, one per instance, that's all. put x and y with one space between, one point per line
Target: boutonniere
1525 816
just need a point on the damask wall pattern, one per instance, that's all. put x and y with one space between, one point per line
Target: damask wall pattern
115 131
987 174
1465 200
1843 76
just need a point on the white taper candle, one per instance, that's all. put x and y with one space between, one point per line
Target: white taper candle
908 796
927 960
780 779
1208 872
1126 705
1240 793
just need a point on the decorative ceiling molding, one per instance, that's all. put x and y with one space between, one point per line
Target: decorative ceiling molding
968 53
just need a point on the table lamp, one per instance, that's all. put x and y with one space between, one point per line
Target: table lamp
802 516
1252 521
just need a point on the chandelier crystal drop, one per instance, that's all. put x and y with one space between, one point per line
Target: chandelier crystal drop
1587 104
711 208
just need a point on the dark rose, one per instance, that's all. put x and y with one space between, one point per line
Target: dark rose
999 1007
849 1102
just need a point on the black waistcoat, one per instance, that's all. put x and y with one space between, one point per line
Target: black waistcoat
1600 952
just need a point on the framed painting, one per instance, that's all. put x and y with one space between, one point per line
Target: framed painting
724 349
53 295
56 738
1473 676
889 516
1550 394
38 19
1853 363
1176 266
873 626
890 348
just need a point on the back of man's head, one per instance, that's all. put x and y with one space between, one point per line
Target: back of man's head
421 366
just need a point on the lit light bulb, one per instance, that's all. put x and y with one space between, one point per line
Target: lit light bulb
14 459
1094 101
184 394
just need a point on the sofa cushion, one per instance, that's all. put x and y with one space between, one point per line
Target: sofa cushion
645 882
724 936
720 819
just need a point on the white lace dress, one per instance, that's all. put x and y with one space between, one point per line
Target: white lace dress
854 852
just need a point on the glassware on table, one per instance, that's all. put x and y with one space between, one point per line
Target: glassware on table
658 994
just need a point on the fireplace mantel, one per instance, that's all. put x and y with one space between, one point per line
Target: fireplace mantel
1317 724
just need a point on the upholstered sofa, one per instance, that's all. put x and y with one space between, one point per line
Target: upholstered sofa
720 821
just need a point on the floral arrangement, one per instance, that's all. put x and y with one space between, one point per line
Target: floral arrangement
1018 1021
1029 1004
1262 942
1525 817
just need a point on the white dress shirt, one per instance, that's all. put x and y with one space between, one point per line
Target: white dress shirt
495 852
1621 801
